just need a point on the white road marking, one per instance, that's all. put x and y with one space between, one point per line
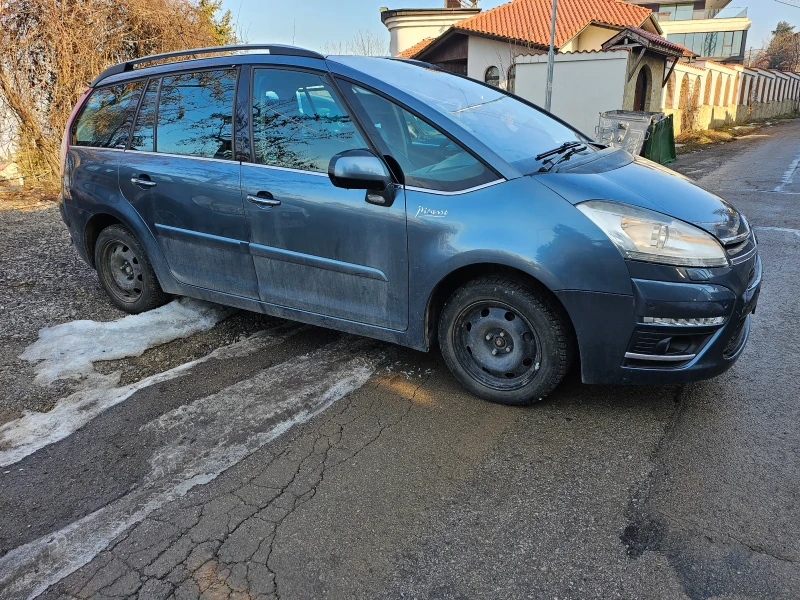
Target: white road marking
781 229
788 176
225 428
35 430
68 350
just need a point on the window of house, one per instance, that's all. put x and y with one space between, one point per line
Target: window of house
492 76
106 119
429 159
195 114
298 122
511 84
718 44
143 135
677 12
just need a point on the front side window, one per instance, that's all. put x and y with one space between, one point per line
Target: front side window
195 114
517 132
492 76
105 120
429 159
298 122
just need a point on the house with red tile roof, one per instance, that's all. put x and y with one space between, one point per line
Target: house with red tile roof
469 44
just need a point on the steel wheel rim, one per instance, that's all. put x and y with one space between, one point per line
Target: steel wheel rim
497 345
124 270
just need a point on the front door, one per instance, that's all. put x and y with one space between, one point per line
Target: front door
180 176
318 248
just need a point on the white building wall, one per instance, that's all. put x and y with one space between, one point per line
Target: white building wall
483 53
413 26
584 85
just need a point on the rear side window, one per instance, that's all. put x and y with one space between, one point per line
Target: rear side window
106 119
298 122
429 158
195 114
143 135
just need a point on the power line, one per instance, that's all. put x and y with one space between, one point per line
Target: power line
794 3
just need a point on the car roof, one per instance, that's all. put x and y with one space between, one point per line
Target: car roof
129 67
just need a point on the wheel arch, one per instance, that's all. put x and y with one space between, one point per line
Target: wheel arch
107 217
458 277
97 223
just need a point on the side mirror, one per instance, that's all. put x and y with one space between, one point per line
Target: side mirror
359 170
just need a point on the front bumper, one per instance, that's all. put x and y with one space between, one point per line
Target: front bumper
617 346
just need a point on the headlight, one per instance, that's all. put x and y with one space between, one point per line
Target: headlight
642 234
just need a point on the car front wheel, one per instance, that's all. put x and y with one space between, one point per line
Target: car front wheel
505 341
125 271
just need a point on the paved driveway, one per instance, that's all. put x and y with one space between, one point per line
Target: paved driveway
195 451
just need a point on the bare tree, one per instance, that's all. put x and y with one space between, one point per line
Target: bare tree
49 49
365 42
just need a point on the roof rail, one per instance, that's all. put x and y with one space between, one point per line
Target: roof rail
269 48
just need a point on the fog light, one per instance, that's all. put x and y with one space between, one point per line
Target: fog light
701 322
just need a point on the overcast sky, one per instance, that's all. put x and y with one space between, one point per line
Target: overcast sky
312 23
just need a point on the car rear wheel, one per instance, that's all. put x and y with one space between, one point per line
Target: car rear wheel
125 271
504 341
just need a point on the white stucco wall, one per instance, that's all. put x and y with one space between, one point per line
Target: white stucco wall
593 38
584 85
484 53
413 26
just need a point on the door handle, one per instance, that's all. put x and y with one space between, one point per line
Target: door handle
263 199
143 182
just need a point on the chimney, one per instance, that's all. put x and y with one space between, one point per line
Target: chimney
452 3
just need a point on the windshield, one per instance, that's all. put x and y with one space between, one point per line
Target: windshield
514 130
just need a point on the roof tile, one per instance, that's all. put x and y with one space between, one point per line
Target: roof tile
529 20
418 47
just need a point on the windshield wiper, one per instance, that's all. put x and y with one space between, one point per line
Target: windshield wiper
574 149
562 148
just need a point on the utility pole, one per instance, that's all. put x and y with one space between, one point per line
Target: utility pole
551 58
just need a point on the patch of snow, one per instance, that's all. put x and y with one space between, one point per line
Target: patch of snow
225 427
35 430
67 351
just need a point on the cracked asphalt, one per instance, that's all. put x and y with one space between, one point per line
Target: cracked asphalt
302 463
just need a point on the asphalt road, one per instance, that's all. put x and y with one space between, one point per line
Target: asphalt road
239 456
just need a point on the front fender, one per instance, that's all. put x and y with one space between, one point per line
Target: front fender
520 224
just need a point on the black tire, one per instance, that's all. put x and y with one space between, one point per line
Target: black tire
505 341
125 271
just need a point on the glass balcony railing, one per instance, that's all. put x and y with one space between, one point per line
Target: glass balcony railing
729 12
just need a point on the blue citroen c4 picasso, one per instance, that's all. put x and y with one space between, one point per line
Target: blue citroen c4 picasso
391 199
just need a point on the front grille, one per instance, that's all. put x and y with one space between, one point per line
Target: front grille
740 251
735 342
645 342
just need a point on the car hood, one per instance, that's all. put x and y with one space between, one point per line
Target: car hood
622 177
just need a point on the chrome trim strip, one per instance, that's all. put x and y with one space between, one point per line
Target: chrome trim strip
319 262
740 258
653 358
227 161
110 149
287 169
456 193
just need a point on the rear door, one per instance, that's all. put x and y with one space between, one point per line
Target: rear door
316 247
180 175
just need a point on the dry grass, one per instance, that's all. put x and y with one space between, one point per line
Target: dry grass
39 198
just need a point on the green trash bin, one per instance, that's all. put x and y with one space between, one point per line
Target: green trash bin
660 146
